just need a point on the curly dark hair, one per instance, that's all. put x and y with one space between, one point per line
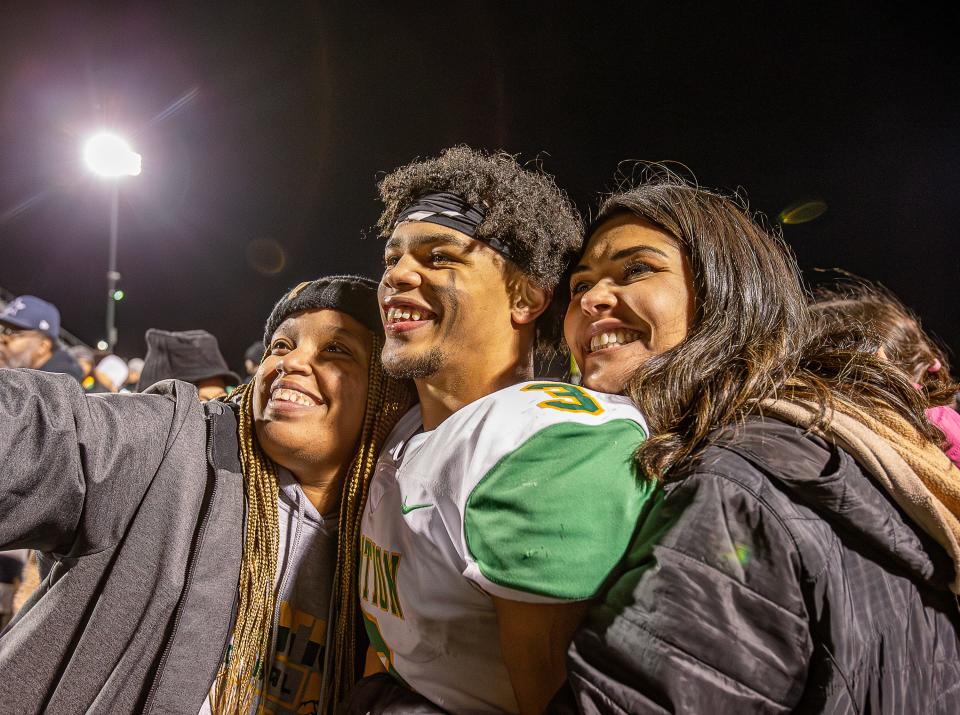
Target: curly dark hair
524 208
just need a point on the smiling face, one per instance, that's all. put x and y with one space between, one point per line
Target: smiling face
632 297
444 300
311 390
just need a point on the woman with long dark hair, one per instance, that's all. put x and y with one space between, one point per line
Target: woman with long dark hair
803 554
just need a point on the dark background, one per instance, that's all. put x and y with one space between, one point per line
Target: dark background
266 125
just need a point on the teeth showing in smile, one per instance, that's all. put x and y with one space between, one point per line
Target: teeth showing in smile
395 315
611 338
286 395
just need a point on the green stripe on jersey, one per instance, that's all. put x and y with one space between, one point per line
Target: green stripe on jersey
555 516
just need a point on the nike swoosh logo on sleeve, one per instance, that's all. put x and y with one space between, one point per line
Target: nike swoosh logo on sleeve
404 509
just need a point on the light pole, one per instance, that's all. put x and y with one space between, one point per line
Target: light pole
111 157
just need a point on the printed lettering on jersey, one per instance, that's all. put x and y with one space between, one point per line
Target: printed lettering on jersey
378 583
568 398
294 683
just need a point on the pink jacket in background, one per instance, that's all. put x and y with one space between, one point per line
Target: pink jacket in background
947 419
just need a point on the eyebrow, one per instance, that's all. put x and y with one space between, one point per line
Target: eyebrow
625 253
415 242
344 333
337 332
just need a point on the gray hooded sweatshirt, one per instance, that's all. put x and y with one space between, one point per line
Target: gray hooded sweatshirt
139 498
305 567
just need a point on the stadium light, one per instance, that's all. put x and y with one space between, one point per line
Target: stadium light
110 156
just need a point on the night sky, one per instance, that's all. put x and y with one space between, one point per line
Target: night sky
265 126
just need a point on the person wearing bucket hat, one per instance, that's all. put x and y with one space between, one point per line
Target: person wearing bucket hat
204 556
192 356
30 337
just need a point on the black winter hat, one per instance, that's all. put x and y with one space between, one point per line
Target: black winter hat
190 355
354 295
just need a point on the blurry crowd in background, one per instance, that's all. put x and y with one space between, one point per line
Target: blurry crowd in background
31 337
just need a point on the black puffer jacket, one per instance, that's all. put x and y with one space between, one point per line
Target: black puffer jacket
773 576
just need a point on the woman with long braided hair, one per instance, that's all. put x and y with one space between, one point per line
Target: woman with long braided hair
313 353
204 554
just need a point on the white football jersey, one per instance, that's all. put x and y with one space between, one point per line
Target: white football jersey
529 494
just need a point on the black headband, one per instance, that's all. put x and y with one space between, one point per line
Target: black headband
446 209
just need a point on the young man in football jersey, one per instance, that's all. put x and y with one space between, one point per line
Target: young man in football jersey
499 504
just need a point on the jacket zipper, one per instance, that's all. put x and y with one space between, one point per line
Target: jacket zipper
236 592
226 642
233 622
178 614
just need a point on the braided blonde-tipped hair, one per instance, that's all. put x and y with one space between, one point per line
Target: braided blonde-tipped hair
238 679
387 400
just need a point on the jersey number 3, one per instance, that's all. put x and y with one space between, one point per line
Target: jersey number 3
568 398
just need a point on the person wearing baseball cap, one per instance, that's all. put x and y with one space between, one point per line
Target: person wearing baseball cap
30 337
205 554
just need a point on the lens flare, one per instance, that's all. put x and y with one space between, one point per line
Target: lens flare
803 211
266 256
